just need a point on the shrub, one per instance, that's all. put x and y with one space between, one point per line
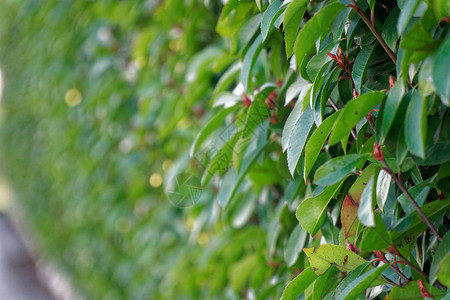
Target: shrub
320 126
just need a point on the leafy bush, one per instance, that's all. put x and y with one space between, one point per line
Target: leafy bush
264 129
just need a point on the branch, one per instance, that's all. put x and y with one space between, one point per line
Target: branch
379 156
369 24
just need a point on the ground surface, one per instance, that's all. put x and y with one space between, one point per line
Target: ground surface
18 278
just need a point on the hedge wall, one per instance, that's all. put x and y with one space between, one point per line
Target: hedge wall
189 149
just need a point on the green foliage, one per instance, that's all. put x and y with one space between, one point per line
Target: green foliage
274 125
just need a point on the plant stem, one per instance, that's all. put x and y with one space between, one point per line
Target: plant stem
422 216
415 268
380 39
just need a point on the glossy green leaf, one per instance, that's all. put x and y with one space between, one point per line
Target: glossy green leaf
407 10
316 142
417 38
391 106
298 138
361 65
270 16
292 119
353 275
314 29
352 113
338 168
377 237
292 20
416 124
366 203
322 258
298 285
294 245
357 286
441 72
389 31
311 212
383 185
322 284
442 251
248 62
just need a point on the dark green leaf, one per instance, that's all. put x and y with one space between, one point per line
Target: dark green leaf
441 71
298 285
361 64
416 124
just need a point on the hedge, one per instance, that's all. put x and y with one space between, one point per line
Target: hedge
191 149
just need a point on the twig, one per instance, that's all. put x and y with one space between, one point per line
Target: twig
383 259
380 39
422 216
390 281
412 266
336 109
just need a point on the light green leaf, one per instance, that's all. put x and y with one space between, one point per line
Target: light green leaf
298 285
269 17
318 25
311 212
416 124
249 60
210 127
316 142
441 71
294 245
383 185
298 138
338 168
361 65
298 88
352 113
322 284
295 114
366 203
322 258
227 78
357 286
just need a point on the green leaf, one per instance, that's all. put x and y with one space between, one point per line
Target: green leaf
298 285
322 284
269 17
316 142
311 212
338 168
435 154
353 275
322 258
375 238
416 124
441 252
408 228
292 119
389 31
411 291
407 10
210 127
417 38
297 138
365 209
383 185
426 84
227 78
352 113
318 25
294 245
443 273
441 71
298 88
391 106
292 19
357 286
249 60
361 65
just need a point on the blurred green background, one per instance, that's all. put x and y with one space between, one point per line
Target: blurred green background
96 108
